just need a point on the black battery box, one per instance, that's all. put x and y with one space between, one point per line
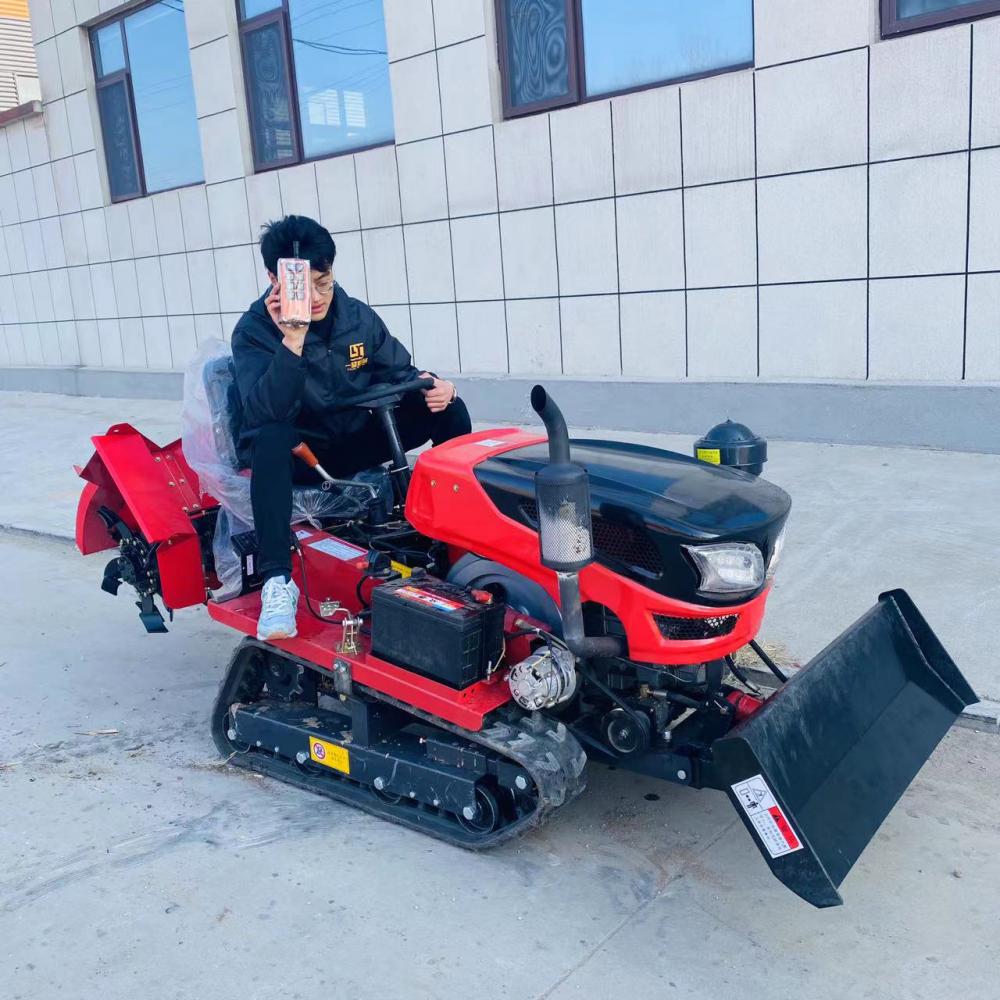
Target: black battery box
449 633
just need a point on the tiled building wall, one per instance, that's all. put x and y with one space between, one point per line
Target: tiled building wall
831 214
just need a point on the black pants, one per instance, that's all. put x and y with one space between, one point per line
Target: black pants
274 469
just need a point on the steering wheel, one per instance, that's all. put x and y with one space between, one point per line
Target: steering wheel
384 393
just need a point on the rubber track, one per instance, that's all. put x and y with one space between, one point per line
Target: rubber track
543 747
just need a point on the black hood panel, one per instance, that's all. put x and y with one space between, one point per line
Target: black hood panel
646 503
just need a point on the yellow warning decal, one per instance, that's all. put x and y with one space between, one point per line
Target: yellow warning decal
711 455
403 571
329 755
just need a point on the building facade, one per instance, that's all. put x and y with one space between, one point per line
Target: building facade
803 228
18 72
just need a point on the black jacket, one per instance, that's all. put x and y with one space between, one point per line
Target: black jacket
342 355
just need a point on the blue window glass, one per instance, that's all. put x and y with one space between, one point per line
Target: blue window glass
913 8
537 41
109 49
646 41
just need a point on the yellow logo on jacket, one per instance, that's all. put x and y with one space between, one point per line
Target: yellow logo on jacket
356 353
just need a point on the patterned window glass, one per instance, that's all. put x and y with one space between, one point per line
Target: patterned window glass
270 108
537 43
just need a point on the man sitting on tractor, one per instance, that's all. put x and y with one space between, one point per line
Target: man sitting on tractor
292 379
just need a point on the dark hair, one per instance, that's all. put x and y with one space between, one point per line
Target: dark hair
316 245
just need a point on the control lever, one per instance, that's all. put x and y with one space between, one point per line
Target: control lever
303 451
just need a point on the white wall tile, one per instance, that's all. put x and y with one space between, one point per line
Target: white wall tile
397 322
133 343
143 225
74 240
208 327
385 265
15 344
349 266
8 304
212 75
529 253
264 201
183 342
813 114
119 231
647 139
176 284
49 74
524 165
45 191
416 101
152 300
984 233
169 224
435 338
38 284
69 346
202 278
650 242
581 152
81 126
81 293
378 187
585 241
59 292
815 331
986 83
533 336
920 93
38 143
57 128
194 217
717 116
55 252
982 348
111 343
96 232
812 226
8 201
156 333
227 207
590 338
222 147
457 20
126 283
24 297
915 328
792 29
229 321
428 262
24 191
4 153
298 190
63 15
338 194
472 178
409 27
67 190
41 20
722 333
245 278
720 228
88 180
463 71
34 252
17 145
103 283
71 48
86 9
14 242
207 19
48 335
422 187
653 334
482 336
90 342
918 214
476 253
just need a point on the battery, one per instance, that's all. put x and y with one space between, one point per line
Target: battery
449 633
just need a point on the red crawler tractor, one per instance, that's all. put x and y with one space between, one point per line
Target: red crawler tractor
476 629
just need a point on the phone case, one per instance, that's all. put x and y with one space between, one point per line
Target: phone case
295 289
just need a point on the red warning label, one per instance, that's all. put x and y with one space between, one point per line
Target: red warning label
766 816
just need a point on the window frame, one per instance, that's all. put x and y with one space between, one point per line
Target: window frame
892 26
577 67
282 15
119 76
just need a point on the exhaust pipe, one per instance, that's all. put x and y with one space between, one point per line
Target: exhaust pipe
565 535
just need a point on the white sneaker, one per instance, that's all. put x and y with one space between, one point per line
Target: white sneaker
279 602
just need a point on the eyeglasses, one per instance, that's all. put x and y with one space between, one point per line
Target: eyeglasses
324 287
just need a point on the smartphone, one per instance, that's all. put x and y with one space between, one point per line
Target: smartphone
295 291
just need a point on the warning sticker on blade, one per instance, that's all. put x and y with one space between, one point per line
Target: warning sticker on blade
431 600
767 816
330 755
338 549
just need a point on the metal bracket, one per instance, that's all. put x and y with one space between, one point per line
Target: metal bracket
342 677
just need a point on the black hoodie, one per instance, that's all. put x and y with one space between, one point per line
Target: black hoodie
344 353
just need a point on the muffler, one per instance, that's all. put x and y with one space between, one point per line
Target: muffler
815 771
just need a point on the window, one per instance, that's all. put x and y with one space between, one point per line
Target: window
146 101
901 16
317 78
558 52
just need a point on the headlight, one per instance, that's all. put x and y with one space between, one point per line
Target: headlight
728 568
779 545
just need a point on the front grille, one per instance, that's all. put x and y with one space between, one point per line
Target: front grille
695 628
614 541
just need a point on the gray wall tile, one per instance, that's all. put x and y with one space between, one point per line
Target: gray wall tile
476 254
984 211
176 284
67 191
647 138
119 231
982 349
435 338
222 147
169 224
378 187
409 27
482 336
45 191
157 334
529 253
721 235
463 71
653 334
524 165
422 186
533 336
74 240
349 266
57 130
338 194
143 225
228 214
152 300
717 118
55 252
95 231
722 333
581 152
986 83
81 292
264 201
110 338
133 343
34 252
792 29
206 327
385 265
126 284
183 342
814 331
195 218
918 213
299 195
590 335
457 20
70 45
397 321
428 262
472 178
49 74
206 19
245 278
416 100
69 347
650 242
212 75
90 344
915 328
585 241
812 226
203 281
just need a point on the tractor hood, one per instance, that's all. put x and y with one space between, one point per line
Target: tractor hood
647 503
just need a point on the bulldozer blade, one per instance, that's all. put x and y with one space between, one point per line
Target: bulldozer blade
815 771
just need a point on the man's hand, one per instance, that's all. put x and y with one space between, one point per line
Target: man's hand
441 396
293 336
